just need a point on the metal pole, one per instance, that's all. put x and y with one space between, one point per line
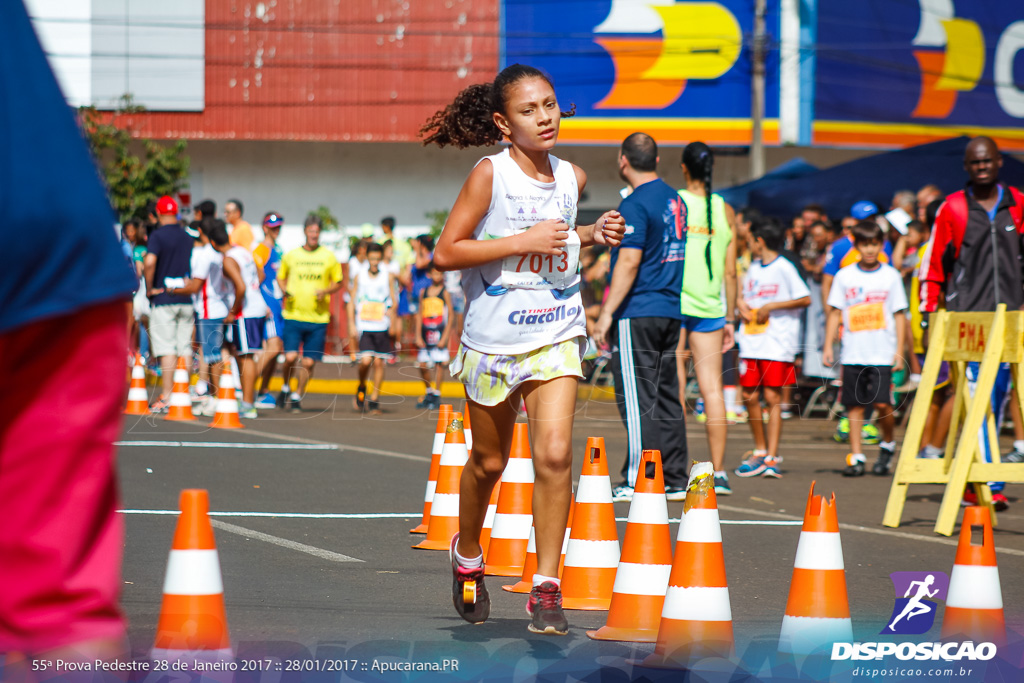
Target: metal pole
757 163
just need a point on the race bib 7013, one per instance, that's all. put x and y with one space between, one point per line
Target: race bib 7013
543 271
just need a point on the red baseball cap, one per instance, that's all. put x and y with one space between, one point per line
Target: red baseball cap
166 206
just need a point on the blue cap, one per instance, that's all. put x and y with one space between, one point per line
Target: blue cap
863 209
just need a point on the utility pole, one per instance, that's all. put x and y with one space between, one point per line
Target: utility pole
757 164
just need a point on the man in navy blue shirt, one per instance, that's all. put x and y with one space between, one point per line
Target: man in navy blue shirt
171 320
641 318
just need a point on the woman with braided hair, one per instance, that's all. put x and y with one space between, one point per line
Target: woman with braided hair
708 320
513 234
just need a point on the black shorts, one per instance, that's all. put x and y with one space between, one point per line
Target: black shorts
865 385
376 344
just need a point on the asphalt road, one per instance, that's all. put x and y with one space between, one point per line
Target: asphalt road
317 563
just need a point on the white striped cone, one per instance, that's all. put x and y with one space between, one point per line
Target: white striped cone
179 407
443 418
696 620
592 555
641 580
974 603
138 395
525 584
193 624
444 510
818 611
513 517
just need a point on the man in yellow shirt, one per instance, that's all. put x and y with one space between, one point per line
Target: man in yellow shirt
309 275
241 231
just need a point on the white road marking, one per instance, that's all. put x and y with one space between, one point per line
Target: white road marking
218 444
869 530
306 445
290 515
283 542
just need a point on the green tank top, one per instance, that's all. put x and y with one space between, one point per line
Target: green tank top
702 291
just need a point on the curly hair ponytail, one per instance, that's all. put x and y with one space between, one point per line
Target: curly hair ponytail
466 122
469 120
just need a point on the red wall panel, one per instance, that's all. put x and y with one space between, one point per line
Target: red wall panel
333 69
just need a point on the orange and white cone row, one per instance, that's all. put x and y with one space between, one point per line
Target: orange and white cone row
510 534
974 603
593 552
444 509
193 623
138 395
818 611
179 407
443 418
641 580
696 620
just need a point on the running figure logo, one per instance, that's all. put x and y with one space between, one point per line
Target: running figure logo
914 613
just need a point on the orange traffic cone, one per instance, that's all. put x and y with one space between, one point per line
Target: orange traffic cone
443 418
444 509
525 584
226 416
511 533
696 620
180 405
467 427
138 395
593 552
641 580
818 611
492 511
192 623
974 603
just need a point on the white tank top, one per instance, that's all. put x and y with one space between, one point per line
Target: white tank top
373 299
500 320
254 305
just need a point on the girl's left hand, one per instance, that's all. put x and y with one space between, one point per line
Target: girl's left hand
609 229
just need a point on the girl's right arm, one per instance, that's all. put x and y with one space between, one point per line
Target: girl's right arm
457 249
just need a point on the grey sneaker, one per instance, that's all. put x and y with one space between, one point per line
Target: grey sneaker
622 493
1014 456
884 462
247 410
469 595
545 609
722 485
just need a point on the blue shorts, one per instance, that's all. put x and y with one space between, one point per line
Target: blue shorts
692 323
246 335
275 322
210 337
311 337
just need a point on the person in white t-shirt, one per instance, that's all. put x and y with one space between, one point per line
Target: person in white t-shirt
866 297
773 296
209 291
245 330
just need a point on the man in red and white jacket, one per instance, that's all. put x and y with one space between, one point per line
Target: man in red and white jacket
975 259
976 242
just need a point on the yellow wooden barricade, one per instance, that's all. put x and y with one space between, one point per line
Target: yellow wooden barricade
959 338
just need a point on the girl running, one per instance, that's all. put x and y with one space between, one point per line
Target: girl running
513 234
708 321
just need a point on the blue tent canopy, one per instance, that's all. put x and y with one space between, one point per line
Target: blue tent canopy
738 195
876 178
